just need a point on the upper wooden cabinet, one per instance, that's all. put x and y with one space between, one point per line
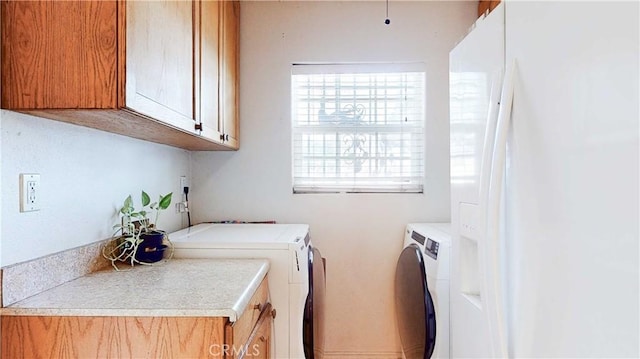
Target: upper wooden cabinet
219 74
59 54
229 70
160 77
486 6
144 69
209 48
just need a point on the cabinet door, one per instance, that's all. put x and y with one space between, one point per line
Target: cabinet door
259 345
209 69
160 78
229 71
59 54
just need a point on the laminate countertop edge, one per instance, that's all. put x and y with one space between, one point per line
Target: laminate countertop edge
175 288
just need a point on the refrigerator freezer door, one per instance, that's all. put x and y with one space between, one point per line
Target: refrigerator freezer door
569 224
572 180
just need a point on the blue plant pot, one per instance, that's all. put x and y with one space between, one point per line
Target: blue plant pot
151 249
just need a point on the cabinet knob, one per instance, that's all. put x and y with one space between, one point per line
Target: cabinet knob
226 137
273 313
222 137
257 307
198 127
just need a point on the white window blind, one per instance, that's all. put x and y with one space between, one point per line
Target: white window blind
358 128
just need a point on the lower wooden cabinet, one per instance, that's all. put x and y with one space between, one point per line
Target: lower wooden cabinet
142 337
244 334
112 337
259 346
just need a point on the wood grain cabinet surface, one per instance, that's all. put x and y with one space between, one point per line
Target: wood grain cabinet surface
229 71
486 6
154 70
69 337
259 344
219 68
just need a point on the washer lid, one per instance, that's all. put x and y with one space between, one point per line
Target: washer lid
266 236
415 312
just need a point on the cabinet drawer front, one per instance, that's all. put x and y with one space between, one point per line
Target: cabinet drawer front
243 327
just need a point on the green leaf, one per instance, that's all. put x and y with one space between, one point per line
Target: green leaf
165 201
128 202
127 207
145 199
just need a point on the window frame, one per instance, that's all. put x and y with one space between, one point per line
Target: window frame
415 131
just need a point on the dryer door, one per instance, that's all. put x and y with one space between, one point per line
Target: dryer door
313 322
415 312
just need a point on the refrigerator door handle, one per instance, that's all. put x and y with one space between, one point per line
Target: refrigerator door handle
489 139
493 278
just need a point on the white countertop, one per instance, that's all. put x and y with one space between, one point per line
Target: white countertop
176 288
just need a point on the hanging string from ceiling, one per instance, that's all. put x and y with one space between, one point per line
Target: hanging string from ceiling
387 21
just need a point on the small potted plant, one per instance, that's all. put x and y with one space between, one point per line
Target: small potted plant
139 240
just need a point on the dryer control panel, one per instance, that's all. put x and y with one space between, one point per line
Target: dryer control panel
430 246
417 237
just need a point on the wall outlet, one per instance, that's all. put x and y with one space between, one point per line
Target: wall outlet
29 192
183 182
182 207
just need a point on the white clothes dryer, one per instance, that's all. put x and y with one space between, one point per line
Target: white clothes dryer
296 276
422 291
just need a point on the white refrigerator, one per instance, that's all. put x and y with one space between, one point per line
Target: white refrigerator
544 108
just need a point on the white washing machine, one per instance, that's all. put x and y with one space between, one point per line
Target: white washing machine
296 276
422 291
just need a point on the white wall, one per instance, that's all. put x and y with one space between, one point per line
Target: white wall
1 113
359 234
85 176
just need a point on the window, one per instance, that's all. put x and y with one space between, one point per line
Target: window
358 128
